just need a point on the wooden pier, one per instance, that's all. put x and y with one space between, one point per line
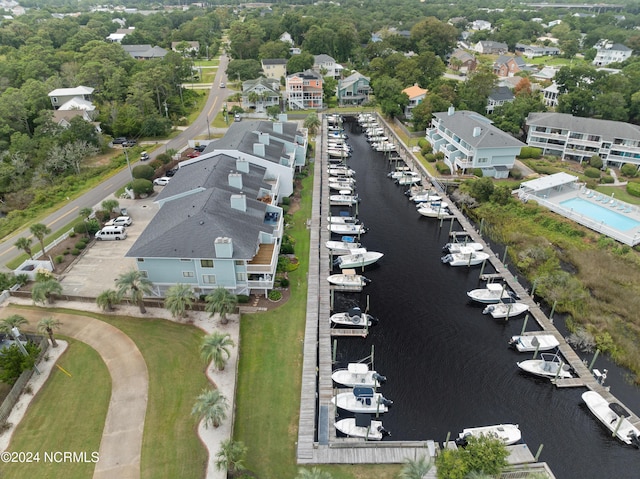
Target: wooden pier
361 332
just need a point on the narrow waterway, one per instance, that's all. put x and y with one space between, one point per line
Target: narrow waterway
448 365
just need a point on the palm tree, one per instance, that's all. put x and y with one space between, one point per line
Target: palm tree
253 98
86 214
47 325
221 301
313 473
13 321
415 468
231 456
25 245
312 123
44 290
178 299
40 230
107 299
109 205
135 285
211 406
215 347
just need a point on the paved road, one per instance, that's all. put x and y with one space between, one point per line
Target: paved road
70 210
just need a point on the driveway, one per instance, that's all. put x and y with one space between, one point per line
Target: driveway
101 264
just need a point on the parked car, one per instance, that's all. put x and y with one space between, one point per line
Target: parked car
223 85
162 181
193 154
120 221
200 148
171 172
119 141
111 233
237 117
130 143
144 156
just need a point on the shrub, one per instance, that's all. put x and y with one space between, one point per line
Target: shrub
477 172
596 162
284 282
72 234
75 251
426 150
141 187
422 142
442 168
155 164
143 171
607 179
591 183
592 172
275 295
286 248
164 158
515 173
59 259
243 299
430 157
629 170
633 188
440 156
530 152
80 245
286 200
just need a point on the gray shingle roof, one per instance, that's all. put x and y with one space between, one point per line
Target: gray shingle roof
274 61
501 93
605 128
462 123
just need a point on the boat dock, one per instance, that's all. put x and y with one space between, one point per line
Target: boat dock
359 332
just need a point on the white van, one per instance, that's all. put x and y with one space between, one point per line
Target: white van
111 233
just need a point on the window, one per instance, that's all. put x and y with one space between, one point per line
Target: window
209 278
483 160
140 260
185 259
144 274
241 277
239 262
187 274
206 263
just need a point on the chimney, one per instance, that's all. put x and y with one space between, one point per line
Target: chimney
239 202
476 131
223 247
451 110
277 127
258 149
235 180
263 138
242 165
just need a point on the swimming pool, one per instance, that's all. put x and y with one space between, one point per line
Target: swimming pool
600 214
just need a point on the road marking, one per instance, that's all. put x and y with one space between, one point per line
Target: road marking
66 214
215 102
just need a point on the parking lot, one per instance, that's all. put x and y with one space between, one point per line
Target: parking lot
97 269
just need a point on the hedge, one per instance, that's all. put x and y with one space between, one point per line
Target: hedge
633 188
592 172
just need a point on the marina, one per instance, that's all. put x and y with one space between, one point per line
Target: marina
318 441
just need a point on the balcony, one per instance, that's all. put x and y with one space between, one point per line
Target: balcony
265 261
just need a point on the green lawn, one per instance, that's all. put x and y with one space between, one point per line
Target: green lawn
67 415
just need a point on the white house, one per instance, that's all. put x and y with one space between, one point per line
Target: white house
326 66
608 52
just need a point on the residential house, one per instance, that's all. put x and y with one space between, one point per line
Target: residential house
274 68
63 118
416 96
119 34
260 93
286 38
462 61
608 52
508 66
326 66
533 51
469 140
480 25
488 47
304 90
217 225
576 138
498 97
545 74
353 90
550 95
295 51
193 48
60 96
144 52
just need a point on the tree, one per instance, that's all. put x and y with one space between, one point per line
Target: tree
134 285
242 70
389 96
40 231
211 406
178 299
215 347
143 171
13 361
141 187
25 245
415 468
47 325
231 456
110 205
107 299
433 35
274 49
245 39
312 123
299 63
313 473
13 321
222 301
44 290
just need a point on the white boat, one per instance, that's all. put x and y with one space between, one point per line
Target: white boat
357 374
507 433
548 366
400 171
343 219
384 146
348 181
336 135
431 211
425 197
533 342
345 246
613 416
362 426
435 204
466 257
342 188
362 399
504 310
358 259
455 247
353 318
334 153
343 200
338 171
347 228
493 293
411 179
348 279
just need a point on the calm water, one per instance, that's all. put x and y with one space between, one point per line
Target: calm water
448 365
598 213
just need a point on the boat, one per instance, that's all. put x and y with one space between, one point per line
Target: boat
346 219
336 135
493 293
347 228
338 153
353 318
534 342
466 257
358 374
343 200
348 279
384 146
362 426
425 198
362 399
347 181
431 211
505 310
400 171
342 188
548 366
455 247
340 171
507 433
345 246
410 179
358 259
613 416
